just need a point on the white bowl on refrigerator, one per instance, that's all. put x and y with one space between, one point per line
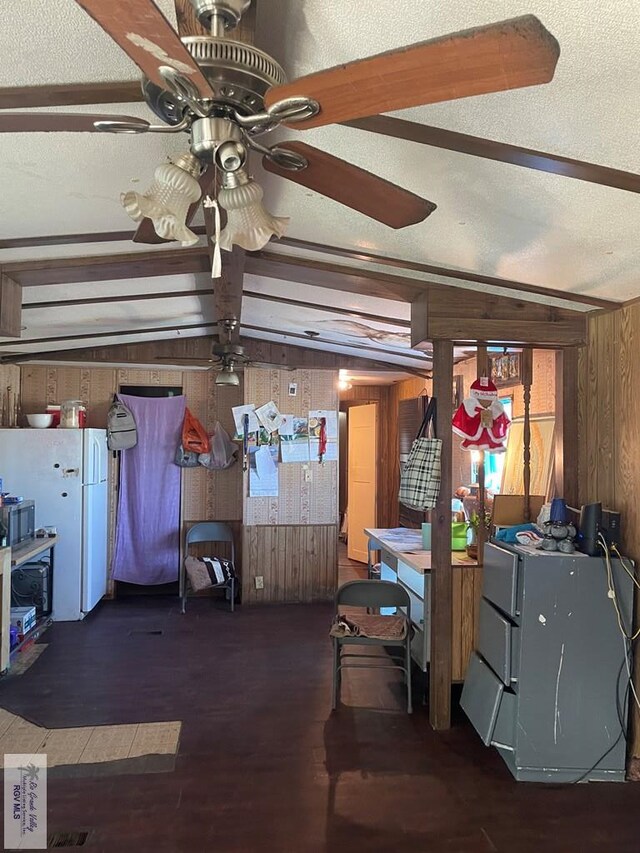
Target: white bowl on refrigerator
40 421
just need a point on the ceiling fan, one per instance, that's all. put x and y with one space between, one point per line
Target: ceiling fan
228 356
225 94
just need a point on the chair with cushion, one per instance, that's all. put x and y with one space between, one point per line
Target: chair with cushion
372 595
213 532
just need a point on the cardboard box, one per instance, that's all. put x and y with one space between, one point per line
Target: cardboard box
24 619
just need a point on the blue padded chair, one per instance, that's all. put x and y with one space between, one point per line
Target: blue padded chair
373 595
209 531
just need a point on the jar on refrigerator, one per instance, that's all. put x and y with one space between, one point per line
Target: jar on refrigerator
70 414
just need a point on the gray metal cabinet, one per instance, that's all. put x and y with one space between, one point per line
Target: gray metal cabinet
547 684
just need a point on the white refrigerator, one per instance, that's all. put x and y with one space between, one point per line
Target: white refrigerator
65 472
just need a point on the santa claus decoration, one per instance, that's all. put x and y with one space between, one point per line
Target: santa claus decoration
481 419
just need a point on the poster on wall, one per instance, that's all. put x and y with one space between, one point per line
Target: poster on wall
269 416
263 472
294 439
238 413
323 448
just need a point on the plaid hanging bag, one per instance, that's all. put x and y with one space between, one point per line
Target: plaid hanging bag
420 477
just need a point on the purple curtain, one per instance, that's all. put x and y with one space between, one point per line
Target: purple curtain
147 547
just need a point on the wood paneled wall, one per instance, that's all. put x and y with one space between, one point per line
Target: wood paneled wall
609 430
296 561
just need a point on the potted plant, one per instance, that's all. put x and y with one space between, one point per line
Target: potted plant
473 524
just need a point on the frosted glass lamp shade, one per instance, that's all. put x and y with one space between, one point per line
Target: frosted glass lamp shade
166 203
249 225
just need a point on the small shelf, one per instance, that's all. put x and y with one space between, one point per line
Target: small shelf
35 633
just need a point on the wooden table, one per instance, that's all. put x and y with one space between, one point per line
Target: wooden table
412 570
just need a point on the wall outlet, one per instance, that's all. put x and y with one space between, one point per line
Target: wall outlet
259 581
307 473
293 389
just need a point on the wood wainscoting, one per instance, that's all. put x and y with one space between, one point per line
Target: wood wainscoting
466 594
297 562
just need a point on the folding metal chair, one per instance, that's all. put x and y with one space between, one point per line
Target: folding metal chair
372 594
214 532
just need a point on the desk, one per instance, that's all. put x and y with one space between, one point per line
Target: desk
412 570
11 559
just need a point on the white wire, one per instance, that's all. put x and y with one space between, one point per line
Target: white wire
626 638
612 592
628 570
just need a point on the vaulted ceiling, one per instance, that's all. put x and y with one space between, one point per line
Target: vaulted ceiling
494 220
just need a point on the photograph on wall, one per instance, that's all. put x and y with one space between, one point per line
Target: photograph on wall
263 471
294 439
269 416
238 414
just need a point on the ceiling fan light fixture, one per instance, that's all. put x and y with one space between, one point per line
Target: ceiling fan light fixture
168 199
227 376
249 224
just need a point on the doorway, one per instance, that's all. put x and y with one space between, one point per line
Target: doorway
361 477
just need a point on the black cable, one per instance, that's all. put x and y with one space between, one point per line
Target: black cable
622 734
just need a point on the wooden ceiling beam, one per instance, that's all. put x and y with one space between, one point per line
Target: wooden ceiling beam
332 276
495 322
208 293
70 94
447 304
502 152
449 272
10 307
150 352
364 257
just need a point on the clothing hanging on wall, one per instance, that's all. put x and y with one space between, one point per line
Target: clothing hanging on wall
147 542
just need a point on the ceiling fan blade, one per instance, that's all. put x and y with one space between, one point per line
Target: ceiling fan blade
269 365
177 359
353 187
147 38
61 122
493 58
146 233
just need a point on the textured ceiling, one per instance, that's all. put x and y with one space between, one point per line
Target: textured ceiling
492 218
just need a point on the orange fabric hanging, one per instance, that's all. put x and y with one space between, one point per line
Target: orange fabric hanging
194 436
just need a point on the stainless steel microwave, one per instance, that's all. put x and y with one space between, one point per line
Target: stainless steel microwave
19 522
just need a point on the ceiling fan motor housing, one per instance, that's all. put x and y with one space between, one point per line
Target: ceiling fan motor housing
239 74
229 11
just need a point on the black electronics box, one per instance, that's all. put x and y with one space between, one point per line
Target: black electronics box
31 587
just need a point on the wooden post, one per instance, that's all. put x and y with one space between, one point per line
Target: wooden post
10 307
566 426
482 369
527 379
441 574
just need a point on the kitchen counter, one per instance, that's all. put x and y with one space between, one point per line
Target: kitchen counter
419 561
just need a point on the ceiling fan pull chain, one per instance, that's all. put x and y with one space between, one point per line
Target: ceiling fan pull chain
216 267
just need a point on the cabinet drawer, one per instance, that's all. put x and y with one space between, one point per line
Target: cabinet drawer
498 642
500 584
417 607
409 577
481 697
504 731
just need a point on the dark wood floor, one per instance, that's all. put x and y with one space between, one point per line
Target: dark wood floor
264 767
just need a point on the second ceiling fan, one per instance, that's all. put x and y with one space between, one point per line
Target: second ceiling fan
225 94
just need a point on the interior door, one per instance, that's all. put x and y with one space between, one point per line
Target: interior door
363 463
